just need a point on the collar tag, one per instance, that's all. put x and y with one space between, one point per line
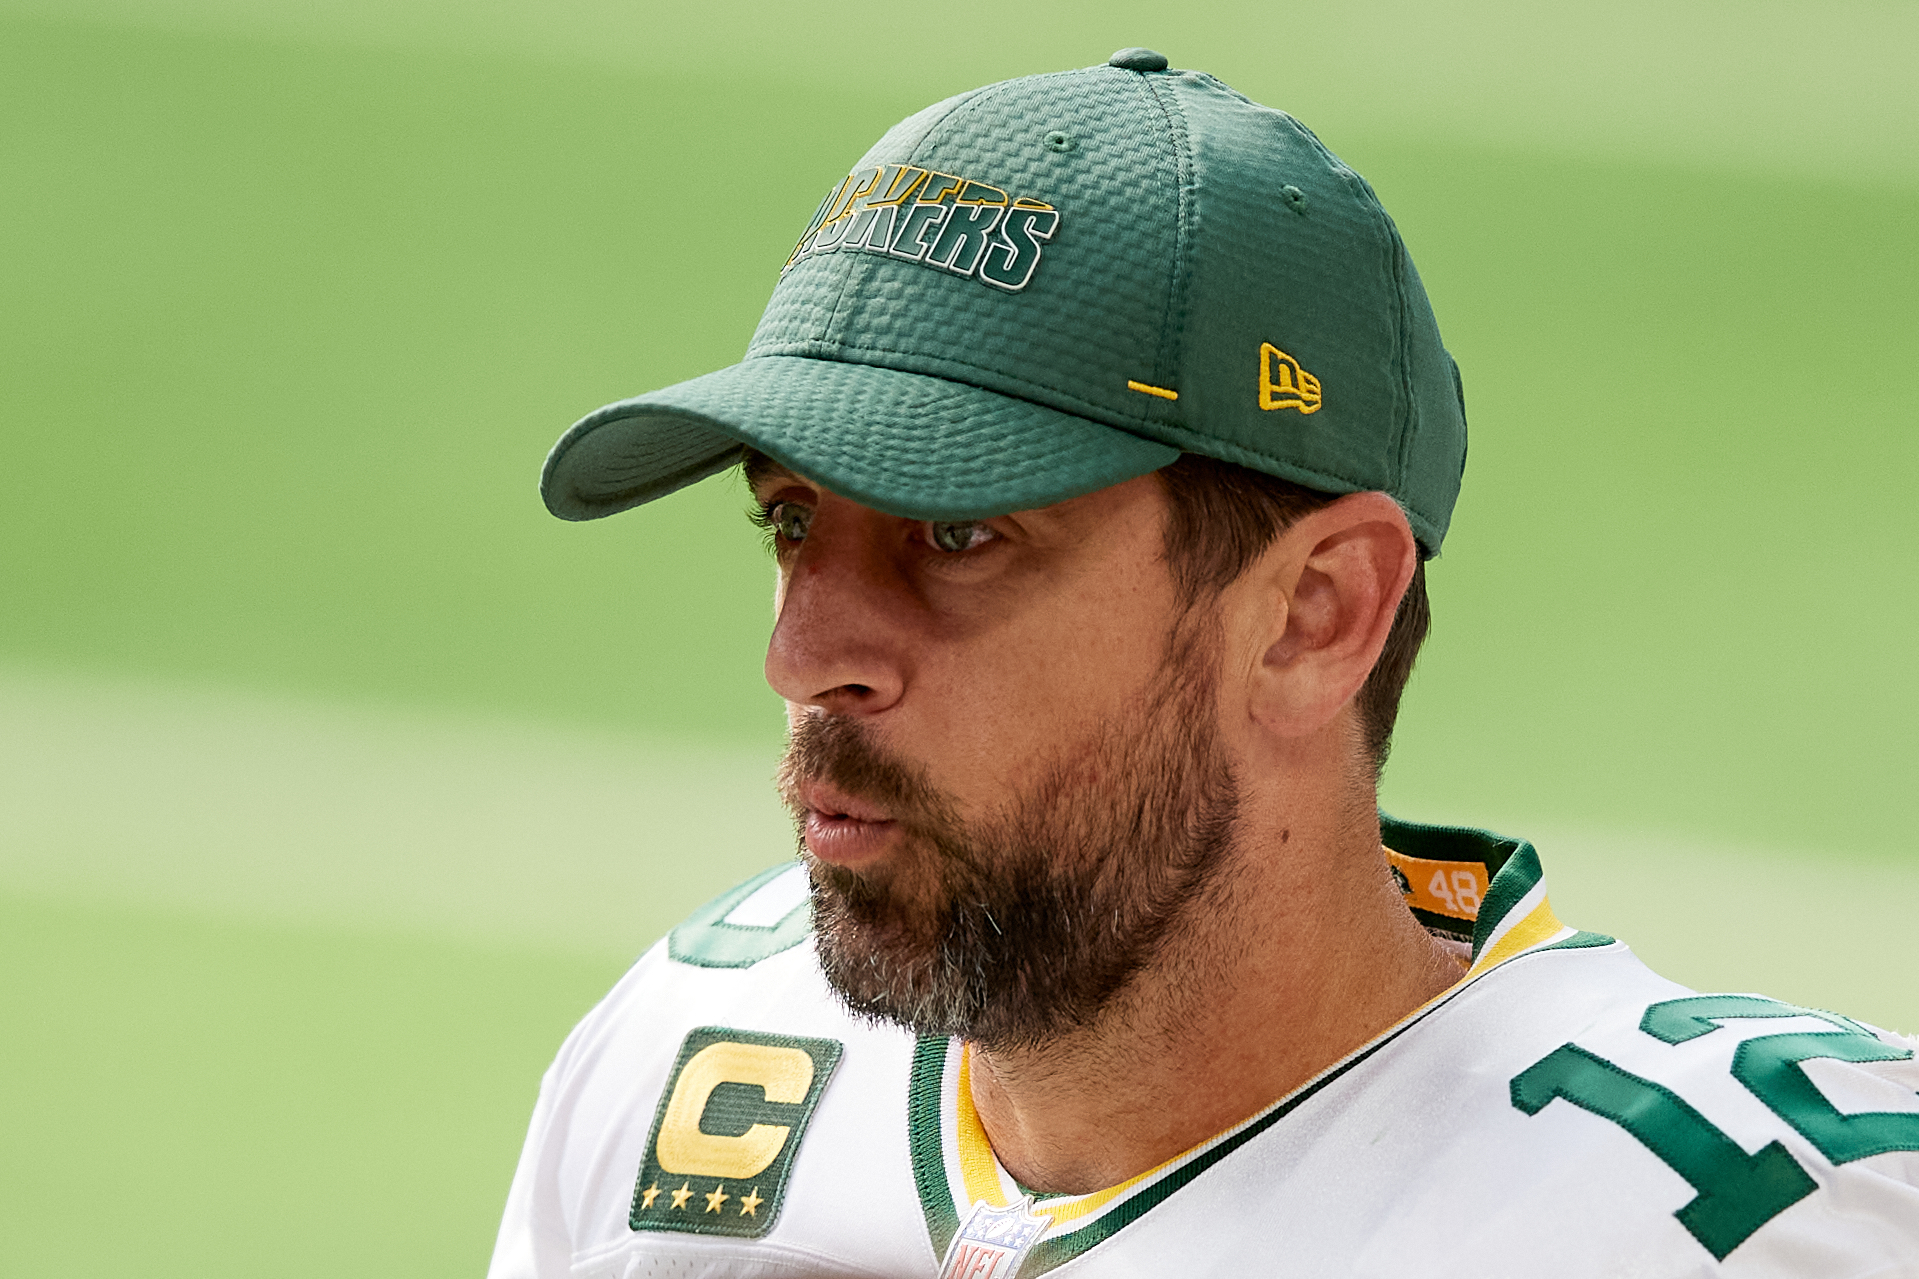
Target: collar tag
992 1242
1443 895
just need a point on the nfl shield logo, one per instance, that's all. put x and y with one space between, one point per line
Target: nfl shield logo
992 1242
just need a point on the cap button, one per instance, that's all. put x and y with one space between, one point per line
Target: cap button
1137 60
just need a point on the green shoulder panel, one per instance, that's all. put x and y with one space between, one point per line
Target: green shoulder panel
709 939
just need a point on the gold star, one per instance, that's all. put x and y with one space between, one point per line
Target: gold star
648 1195
749 1206
680 1196
716 1196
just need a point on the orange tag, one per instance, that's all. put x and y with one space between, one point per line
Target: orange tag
1453 889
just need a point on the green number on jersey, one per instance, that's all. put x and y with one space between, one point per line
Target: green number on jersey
1768 1065
1737 1192
712 938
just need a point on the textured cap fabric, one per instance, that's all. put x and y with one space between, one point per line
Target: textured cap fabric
1052 284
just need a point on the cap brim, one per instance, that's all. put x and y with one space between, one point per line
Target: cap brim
904 443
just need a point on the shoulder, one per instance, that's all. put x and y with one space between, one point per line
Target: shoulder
744 958
708 1096
1571 1112
1783 1136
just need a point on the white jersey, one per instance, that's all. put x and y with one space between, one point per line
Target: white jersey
1560 1111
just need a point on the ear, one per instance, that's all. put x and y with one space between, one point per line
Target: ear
1330 585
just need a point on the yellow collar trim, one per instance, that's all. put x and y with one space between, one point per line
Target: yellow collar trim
1536 926
984 1179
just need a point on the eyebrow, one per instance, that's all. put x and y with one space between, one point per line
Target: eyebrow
758 468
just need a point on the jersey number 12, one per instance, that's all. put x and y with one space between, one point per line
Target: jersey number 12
1736 1192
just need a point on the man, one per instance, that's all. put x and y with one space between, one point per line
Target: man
1100 428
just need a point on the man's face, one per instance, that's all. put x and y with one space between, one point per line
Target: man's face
1005 753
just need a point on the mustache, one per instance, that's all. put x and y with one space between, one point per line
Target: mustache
839 750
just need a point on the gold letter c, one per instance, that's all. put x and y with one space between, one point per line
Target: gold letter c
682 1149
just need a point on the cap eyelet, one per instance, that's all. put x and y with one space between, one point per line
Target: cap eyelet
1057 141
1295 199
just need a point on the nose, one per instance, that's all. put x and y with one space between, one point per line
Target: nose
840 641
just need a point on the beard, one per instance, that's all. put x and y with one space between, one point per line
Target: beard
1014 929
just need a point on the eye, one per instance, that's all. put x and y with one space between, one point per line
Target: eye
789 520
961 536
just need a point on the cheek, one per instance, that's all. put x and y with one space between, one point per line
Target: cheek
1027 700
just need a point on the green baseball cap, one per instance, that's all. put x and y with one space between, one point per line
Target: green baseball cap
1056 283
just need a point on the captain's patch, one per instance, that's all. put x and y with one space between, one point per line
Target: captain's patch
941 220
729 1123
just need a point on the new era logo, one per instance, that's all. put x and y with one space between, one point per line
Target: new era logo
1283 384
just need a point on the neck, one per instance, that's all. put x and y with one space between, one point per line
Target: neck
1305 940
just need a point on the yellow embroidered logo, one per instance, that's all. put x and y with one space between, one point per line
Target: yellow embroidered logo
1283 384
782 1074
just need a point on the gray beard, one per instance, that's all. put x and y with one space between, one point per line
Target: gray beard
1015 930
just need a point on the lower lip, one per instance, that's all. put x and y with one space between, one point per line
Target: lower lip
848 841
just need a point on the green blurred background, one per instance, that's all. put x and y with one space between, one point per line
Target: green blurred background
337 780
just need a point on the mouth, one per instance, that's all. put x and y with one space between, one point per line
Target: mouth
842 829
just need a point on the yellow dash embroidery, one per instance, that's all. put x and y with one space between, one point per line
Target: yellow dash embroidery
1283 384
1144 389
